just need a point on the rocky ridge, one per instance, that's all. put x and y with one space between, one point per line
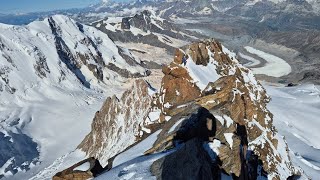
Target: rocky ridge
235 101
119 124
208 103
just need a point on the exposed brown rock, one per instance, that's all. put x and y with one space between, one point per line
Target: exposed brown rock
177 88
233 107
199 53
118 119
237 97
178 55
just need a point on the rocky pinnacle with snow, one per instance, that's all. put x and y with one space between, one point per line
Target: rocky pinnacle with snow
208 102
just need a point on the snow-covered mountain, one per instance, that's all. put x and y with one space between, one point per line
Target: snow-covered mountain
209 7
209 111
49 46
54 75
145 28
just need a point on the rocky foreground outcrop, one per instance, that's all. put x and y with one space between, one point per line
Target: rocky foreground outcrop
119 123
211 112
236 103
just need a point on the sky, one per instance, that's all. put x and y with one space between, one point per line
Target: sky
24 6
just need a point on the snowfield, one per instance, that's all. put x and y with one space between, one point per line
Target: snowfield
275 66
296 116
132 164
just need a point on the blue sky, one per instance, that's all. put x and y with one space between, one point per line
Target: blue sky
23 6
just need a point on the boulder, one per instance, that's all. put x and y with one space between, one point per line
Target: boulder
178 55
71 173
199 53
177 88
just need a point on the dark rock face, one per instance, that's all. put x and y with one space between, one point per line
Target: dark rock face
125 23
200 125
65 54
19 151
4 80
189 162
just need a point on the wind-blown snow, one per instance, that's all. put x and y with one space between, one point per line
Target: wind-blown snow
175 125
213 148
154 115
83 167
58 165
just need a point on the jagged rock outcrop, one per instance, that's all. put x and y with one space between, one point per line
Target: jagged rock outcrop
119 123
236 101
211 110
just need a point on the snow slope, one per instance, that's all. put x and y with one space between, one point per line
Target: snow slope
54 75
132 164
296 116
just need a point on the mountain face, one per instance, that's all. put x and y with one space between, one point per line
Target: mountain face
209 120
283 12
146 28
43 65
118 123
85 52
209 7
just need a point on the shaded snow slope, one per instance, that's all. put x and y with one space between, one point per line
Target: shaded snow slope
132 164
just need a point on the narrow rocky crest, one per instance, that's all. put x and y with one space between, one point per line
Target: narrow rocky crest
207 102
